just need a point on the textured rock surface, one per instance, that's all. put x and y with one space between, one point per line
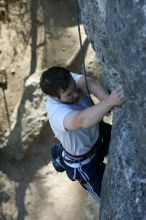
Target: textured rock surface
117 30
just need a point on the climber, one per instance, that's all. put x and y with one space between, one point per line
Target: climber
78 124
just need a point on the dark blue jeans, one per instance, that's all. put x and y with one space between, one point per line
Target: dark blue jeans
89 176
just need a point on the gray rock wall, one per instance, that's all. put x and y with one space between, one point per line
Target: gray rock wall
117 30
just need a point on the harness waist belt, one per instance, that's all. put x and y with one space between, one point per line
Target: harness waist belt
80 158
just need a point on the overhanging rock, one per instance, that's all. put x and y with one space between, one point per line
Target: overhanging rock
117 31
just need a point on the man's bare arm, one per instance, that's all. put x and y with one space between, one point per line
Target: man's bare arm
95 87
94 114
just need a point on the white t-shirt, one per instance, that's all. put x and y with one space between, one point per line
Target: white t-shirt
78 141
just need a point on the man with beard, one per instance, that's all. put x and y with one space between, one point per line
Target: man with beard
78 124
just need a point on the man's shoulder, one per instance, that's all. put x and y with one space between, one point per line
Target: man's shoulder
57 112
55 107
76 76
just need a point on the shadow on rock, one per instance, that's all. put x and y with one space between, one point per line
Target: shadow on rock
23 172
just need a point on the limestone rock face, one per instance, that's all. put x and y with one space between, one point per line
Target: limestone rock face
27 120
117 31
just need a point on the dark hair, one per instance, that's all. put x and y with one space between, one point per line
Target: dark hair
55 79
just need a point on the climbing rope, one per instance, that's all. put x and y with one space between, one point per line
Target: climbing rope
81 49
3 86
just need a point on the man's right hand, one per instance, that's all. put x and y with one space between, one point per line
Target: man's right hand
116 98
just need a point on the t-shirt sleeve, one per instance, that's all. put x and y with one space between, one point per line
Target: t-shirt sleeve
58 118
76 77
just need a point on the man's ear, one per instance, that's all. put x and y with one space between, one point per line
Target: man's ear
60 92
